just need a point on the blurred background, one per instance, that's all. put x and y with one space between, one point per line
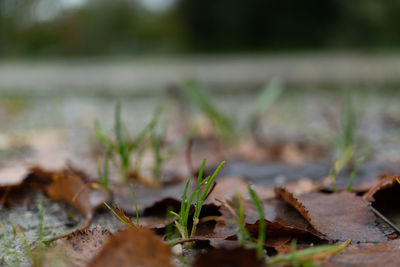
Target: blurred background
83 28
65 63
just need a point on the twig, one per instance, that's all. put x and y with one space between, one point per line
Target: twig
386 220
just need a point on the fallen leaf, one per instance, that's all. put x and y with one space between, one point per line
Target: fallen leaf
81 247
61 186
385 182
134 246
337 216
71 189
233 257
283 222
369 255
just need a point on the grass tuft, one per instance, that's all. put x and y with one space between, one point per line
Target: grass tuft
199 195
119 147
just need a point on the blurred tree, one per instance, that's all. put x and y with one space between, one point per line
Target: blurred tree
104 27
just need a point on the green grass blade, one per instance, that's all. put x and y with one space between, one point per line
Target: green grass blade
268 96
136 207
116 214
353 173
199 178
261 230
306 253
204 102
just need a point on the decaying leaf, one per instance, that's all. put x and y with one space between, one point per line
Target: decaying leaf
283 223
71 189
80 247
233 257
383 254
134 246
385 182
62 186
337 216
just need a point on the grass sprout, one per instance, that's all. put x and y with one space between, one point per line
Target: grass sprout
198 195
198 96
11 255
348 125
103 171
268 96
340 163
119 213
120 218
120 147
353 173
243 235
136 207
261 218
305 257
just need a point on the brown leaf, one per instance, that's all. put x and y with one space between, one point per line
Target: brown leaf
134 246
62 186
385 182
233 257
121 214
71 189
81 247
282 221
337 216
369 255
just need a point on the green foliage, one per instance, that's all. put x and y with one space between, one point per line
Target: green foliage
243 235
14 248
122 218
119 148
261 218
199 97
353 173
268 96
117 215
223 123
339 164
136 207
199 195
102 171
348 126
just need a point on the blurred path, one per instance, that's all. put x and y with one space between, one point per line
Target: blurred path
150 75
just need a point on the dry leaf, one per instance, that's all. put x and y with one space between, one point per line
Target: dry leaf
337 216
81 247
368 255
134 246
282 223
385 182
